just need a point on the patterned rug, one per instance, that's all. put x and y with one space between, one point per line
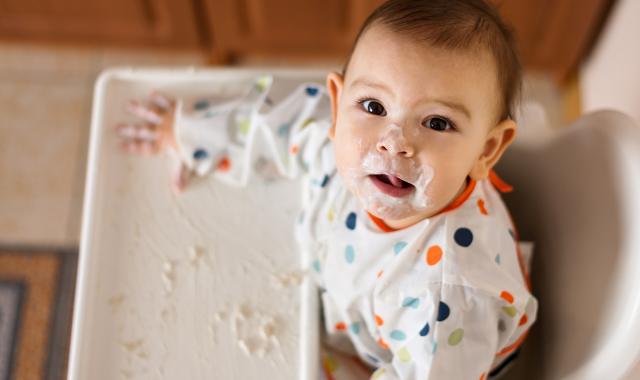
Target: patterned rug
36 300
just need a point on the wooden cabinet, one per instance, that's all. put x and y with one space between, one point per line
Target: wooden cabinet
553 35
310 28
156 23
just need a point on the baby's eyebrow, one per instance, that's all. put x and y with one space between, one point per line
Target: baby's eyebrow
447 103
456 106
368 83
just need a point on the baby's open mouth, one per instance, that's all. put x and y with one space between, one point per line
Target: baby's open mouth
391 185
393 180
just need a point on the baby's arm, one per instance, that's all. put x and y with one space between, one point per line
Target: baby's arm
217 135
154 133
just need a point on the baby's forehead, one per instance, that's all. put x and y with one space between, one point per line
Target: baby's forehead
403 65
377 40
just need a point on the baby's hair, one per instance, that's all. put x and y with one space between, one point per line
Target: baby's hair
456 25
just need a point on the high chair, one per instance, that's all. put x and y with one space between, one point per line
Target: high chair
577 197
185 286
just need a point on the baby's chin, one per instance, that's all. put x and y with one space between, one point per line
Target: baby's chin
397 216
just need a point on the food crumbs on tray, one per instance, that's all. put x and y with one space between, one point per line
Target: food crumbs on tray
256 333
131 346
116 302
288 279
195 255
168 277
219 316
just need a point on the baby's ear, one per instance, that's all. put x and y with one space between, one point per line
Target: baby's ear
497 141
334 87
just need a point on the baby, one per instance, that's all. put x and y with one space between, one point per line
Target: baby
414 252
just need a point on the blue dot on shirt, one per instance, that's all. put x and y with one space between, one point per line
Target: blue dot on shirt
311 91
349 253
200 154
371 358
399 246
463 236
411 302
398 335
425 330
325 180
443 311
355 328
283 130
351 221
201 105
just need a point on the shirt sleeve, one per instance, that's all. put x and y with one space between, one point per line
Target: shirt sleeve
277 128
455 332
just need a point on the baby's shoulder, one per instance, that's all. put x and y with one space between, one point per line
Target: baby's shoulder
479 248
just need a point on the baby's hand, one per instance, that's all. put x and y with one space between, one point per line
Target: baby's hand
154 134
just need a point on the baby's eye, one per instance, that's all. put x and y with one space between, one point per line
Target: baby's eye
373 107
438 124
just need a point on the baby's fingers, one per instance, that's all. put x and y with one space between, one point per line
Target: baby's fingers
144 112
137 131
135 146
162 101
180 173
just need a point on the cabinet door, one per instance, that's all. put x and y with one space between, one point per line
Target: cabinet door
285 28
129 22
555 35
552 35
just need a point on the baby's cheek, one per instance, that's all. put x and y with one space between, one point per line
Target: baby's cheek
449 189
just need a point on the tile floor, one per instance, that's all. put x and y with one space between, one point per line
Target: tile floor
45 103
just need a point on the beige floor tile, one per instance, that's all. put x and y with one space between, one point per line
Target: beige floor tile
30 58
39 140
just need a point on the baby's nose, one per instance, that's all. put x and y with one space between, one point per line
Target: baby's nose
393 147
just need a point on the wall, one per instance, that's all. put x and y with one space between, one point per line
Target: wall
610 77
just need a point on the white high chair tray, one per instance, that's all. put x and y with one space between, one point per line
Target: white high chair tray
205 284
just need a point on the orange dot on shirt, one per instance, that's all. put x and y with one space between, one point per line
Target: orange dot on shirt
379 273
434 254
523 320
294 149
482 376
383 344
224 164
379 320
341 326
483 210
506 296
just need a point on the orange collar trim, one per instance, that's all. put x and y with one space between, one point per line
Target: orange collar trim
380 223
498 183
453 205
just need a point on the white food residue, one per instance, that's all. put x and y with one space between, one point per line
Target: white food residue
195 255
116 302
168 277
256 333
288 279
131 346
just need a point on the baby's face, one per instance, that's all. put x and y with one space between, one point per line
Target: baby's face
411 122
